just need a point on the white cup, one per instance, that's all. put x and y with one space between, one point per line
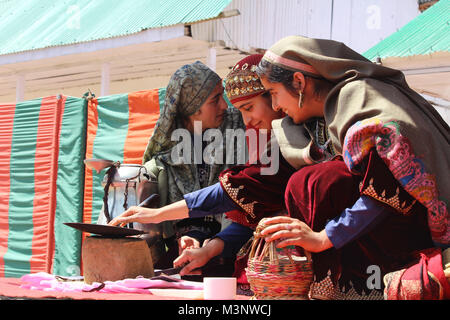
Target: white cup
219 288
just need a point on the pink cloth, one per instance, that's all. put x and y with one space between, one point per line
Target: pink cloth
47 282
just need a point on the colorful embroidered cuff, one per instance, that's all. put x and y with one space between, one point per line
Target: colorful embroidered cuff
207 201
380 184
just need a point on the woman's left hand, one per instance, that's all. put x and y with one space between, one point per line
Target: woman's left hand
290 231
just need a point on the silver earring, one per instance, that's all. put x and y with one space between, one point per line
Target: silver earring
300 99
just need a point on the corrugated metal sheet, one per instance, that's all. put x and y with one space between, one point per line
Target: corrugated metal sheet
428 33
263 22
360 24
35 24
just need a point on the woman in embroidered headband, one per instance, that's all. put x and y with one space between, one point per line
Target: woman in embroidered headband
263 195
194 96
253 195
387 133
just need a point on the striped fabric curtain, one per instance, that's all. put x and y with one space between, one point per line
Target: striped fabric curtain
43 180
42 145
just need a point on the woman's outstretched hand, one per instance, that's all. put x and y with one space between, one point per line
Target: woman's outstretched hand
290 231
136 214
173 211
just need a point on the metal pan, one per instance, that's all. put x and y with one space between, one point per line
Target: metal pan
114 231
105 230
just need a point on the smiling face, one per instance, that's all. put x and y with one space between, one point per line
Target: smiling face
257 112
283 99
212 112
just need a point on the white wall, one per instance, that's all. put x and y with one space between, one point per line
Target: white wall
358 23
361 24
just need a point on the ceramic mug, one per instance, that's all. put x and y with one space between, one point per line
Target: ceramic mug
219 288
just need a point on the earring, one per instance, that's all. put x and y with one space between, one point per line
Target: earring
300 99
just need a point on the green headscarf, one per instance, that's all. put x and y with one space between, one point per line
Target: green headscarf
371 106
188 89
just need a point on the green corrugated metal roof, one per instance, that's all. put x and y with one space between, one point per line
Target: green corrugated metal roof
35 24
429 32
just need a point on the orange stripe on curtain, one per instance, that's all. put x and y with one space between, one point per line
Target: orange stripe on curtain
143 114
91 132
45 175
6 128
92 126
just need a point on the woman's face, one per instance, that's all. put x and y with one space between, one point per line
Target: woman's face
257 112
283 99
212 112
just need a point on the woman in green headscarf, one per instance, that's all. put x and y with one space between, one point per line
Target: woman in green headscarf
385 131
194 101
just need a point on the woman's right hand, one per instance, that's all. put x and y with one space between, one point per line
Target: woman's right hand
193 259
136 214
186 242
290 231
174 211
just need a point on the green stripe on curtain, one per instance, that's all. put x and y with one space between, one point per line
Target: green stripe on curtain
109 141
23 148
69 187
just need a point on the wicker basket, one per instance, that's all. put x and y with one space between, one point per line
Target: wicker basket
277 274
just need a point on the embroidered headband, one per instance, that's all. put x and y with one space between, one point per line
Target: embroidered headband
242 82
292 64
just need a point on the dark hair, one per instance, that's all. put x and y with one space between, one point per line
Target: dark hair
266 95
182 121
268 98
277 74
284 76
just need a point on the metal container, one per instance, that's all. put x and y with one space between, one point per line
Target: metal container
127 185
130 185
